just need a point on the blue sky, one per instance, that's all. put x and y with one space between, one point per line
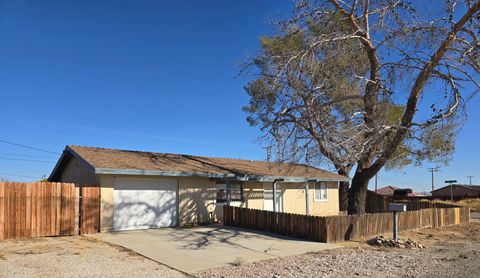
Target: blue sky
146 75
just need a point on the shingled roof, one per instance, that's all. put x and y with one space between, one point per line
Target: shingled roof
127 162
469 187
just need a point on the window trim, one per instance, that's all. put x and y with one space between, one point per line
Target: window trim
321 185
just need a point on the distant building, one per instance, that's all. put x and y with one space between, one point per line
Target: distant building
396 191
458 191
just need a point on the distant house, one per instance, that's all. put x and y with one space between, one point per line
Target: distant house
458 191
149 190
396 191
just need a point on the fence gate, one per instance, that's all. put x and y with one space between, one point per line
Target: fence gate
90 209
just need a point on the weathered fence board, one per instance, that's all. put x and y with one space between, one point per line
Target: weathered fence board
91 209
342 227
46 209
2 212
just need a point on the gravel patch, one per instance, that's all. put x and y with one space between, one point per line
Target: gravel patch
75 257
345 262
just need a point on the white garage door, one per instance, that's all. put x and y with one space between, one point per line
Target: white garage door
144 203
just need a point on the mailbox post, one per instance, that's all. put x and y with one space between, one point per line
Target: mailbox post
396 208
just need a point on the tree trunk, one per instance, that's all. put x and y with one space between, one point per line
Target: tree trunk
343 195
343 191
357 195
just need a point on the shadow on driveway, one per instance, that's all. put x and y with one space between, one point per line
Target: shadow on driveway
204 247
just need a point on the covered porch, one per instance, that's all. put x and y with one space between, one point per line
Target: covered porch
291 195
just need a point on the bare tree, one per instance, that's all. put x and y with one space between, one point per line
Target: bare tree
367 84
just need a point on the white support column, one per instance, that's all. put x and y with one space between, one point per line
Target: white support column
274 195
307 199
229 191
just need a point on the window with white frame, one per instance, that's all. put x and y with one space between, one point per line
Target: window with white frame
320 192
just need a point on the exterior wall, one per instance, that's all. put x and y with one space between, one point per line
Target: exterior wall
253 193
329 207
77 172
294 200
196 201
106 203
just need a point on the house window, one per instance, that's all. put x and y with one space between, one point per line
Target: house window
221 194
320 192
236 193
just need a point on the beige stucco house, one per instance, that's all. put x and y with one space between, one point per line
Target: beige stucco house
149 190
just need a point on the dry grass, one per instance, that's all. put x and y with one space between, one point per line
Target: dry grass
474 204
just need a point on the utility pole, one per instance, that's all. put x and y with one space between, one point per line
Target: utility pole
376 180
433 170
470 177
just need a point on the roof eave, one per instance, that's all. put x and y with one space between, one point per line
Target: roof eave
62 161
140 172
256 178
67 154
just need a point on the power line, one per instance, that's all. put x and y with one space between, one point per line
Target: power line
22 159
21 176
27 155
27 147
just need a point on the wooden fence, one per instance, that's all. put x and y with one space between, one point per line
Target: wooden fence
376 203
340 228
46 209
350 227
90 210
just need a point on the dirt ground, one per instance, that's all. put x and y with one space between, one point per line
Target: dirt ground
450 252
75 257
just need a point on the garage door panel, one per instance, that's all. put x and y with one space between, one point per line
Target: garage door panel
144 203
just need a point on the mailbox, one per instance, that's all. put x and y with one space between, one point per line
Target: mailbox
396 207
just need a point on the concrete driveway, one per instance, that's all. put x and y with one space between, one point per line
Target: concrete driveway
199 248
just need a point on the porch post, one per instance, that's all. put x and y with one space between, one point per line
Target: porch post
307 199
229 191
274 185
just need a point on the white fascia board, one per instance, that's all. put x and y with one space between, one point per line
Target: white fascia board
138 172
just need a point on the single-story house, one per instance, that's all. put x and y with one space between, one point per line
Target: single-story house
397 192
142 190
457 190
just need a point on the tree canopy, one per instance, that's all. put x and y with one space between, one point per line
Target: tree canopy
367 84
